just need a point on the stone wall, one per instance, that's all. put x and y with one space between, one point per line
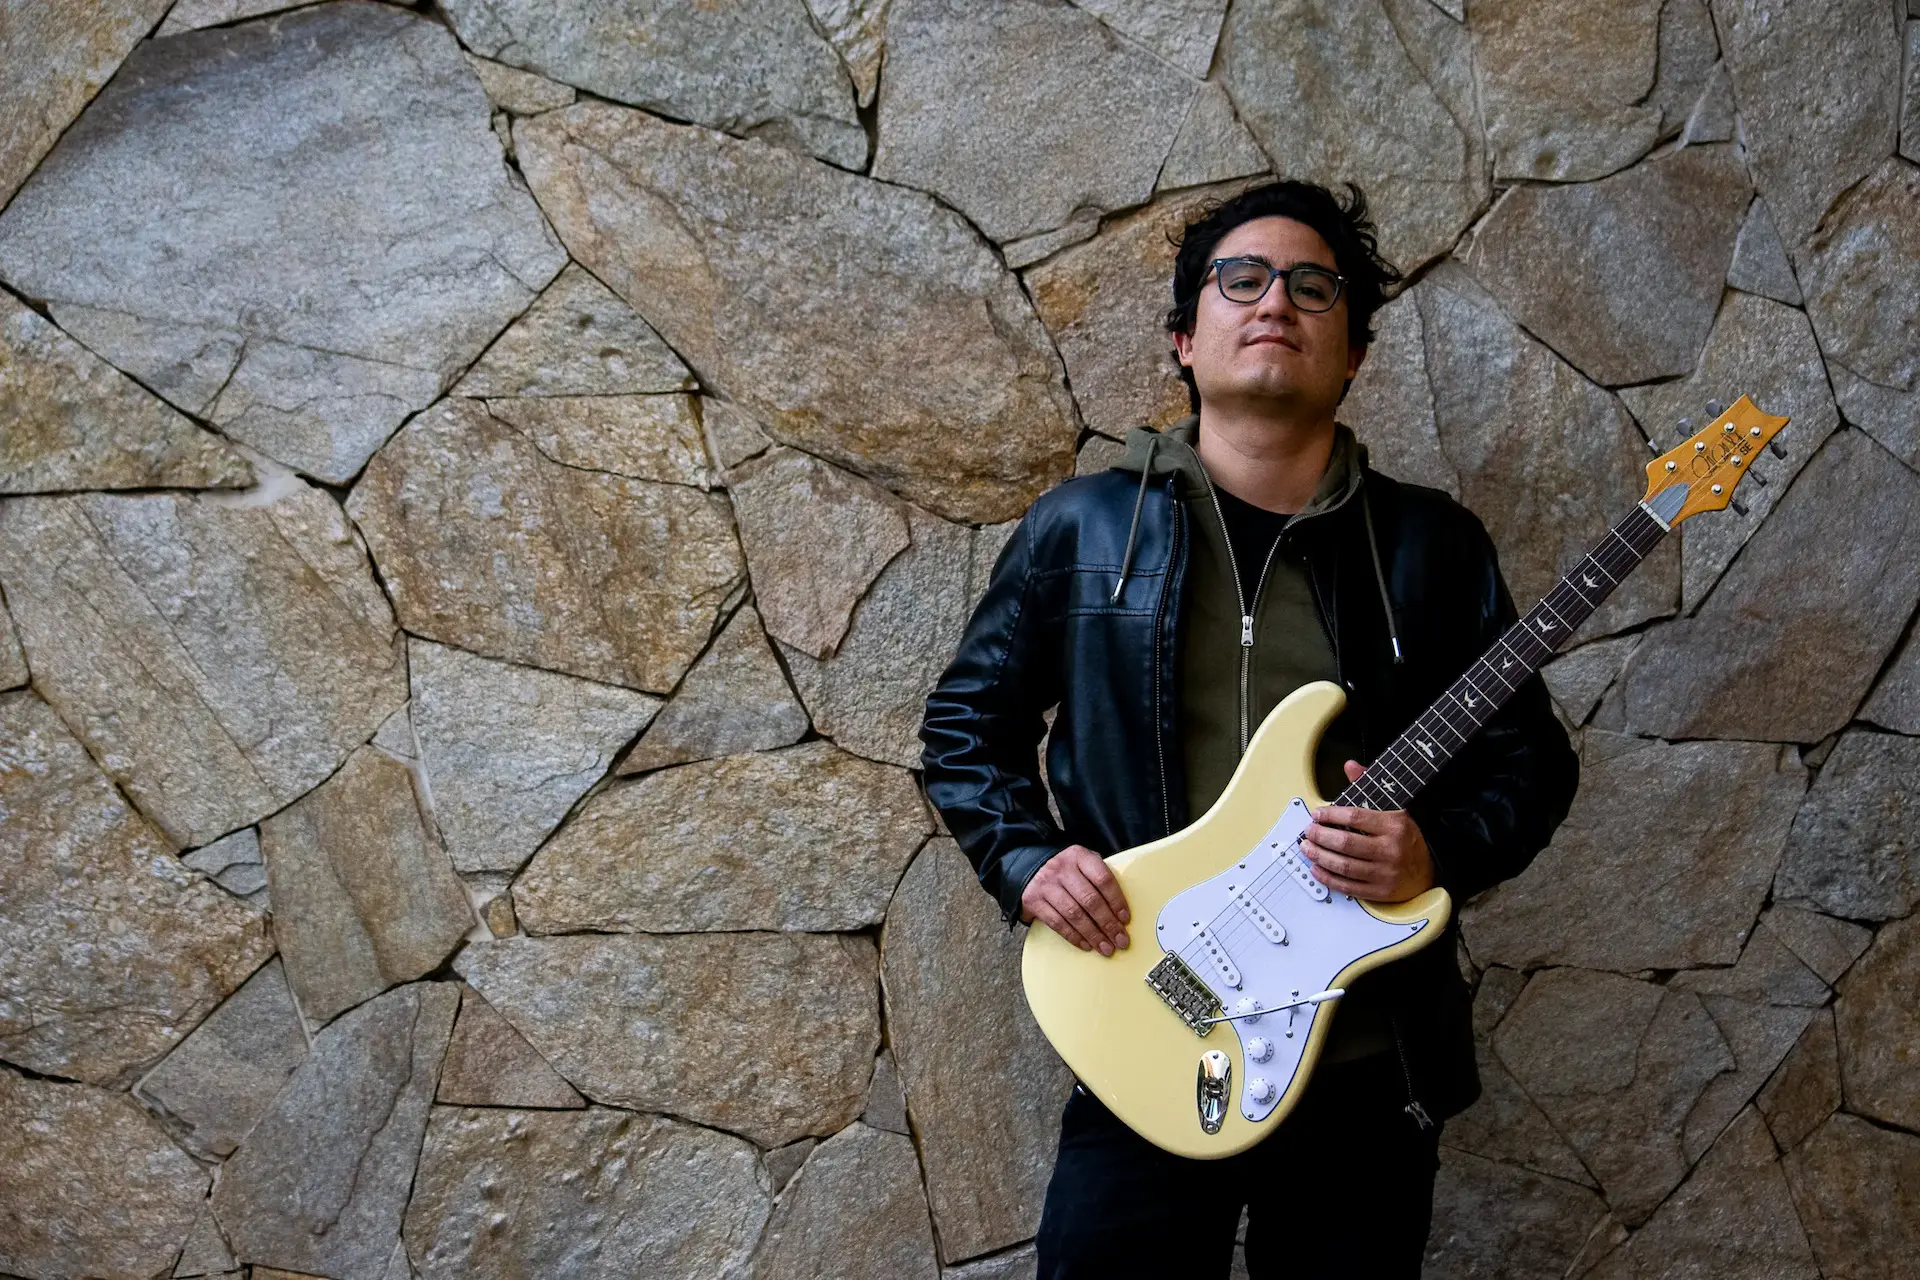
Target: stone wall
491 482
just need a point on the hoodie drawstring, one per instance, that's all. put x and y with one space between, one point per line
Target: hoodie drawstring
1380 577
1133 530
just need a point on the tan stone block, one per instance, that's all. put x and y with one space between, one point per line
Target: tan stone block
363 896
771 1035
488 545
220 657
811 1232
809 837
984 1089
91 1184
114 950
489 1064
750 260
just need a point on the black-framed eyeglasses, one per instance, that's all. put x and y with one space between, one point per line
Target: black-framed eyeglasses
1246 280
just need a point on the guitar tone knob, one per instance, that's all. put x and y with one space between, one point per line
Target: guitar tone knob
1259 1049
1260 1090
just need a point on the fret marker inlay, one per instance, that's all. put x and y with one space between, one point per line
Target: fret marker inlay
1412 760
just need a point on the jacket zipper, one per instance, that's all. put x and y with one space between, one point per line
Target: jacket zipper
1246 613
1166 585
1413 1107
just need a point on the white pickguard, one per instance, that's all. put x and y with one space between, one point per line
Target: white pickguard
1230 944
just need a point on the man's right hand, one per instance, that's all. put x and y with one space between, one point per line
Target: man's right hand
1075 895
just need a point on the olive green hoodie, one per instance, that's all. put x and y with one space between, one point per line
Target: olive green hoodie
1239 659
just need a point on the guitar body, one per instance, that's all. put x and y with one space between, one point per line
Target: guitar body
1265 936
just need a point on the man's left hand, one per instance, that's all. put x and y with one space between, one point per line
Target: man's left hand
1375 855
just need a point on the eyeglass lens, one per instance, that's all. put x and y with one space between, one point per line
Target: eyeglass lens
1309 288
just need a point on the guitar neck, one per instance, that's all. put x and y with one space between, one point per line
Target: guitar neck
1398 773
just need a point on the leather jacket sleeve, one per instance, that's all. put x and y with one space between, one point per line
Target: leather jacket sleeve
982 729
1496 804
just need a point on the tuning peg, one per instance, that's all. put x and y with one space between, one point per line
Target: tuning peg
1684 427
1737 505
1653 446
1715 408
1777 451
1757 478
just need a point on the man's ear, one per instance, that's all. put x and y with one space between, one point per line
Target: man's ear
1183 348
1354 356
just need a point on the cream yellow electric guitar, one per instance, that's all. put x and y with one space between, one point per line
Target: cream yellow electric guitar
1201 1035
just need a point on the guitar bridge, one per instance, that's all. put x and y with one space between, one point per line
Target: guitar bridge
1184 993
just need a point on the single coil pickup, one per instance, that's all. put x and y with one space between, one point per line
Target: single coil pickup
1296 864
1263 920
1216 954
1184 993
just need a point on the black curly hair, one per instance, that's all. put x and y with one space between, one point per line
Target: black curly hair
1344 225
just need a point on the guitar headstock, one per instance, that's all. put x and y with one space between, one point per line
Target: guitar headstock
1703 472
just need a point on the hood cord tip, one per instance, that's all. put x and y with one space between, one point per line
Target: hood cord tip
1380 578
1133 530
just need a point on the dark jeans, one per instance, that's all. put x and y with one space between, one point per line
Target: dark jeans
1343 1187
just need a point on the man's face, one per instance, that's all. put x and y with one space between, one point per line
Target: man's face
1270 352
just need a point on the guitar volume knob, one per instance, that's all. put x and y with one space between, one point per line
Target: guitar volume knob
1247 1010
1259 1049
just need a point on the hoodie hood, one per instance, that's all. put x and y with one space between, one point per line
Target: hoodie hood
1153 453
1173 452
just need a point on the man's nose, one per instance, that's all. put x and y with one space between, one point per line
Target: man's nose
1277 304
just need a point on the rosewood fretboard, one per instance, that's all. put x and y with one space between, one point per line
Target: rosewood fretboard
1398 773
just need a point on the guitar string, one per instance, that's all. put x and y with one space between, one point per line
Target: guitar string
1622 564
1611 564
1237 932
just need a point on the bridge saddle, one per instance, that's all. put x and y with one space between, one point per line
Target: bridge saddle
1184 993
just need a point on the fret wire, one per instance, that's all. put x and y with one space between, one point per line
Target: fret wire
1426 738
1529 660
1600 589
1569 601
1422 775
1403 768
1394 768
1442 717
1495 671
1395 765
1426 732
1379 780
1400 769
1615 533
1464 708
1582 570
1357 791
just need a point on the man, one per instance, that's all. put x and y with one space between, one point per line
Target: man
1164 607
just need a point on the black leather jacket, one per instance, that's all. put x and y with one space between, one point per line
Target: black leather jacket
1048 633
